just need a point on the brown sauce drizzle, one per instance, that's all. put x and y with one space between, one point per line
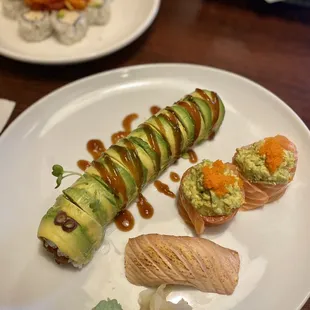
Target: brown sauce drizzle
193 158
111 176
151 137
195 114
95 148
171 118
118 135
128 121
83 164
174 177
164 189
213 103
162 131
155 109
124 221
131 160
145 208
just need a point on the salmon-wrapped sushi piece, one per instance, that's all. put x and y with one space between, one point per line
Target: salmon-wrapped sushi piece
267 167
210 193
153 260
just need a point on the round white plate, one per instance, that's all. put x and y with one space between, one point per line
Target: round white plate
273 242
129 19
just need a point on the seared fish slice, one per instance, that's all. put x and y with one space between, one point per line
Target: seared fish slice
152 260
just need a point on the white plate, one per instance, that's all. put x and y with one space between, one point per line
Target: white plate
129 19
273 242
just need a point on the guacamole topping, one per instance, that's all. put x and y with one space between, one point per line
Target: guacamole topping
266 161
213 188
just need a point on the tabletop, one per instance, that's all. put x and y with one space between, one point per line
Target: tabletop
269 44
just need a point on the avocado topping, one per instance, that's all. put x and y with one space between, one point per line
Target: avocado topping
213 188
266 161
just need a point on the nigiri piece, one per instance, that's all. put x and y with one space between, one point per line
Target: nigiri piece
153 260
211 193
267 167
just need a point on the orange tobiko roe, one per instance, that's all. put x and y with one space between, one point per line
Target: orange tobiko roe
215 179
274 153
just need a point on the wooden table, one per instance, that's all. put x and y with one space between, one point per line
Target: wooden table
269 44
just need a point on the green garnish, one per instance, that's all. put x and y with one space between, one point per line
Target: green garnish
108 305
61 14
185 155
59 172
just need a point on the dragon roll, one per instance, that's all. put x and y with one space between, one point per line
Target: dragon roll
73 228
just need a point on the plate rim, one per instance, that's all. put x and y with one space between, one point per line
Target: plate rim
147 66
92 56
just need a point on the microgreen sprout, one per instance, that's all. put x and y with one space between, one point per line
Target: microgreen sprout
59 172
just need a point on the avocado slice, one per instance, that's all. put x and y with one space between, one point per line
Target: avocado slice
188 123
147 156
126 153
161 147
80 244
93 198
221 108
122 183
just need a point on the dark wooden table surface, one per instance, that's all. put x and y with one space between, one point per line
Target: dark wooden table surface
269 44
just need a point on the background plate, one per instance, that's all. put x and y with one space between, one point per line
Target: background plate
273 242
129 19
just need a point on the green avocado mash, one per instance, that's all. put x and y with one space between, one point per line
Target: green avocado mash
206 201
253 167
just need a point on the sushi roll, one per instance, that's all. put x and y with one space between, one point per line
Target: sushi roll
70 26
13 8
211 193
118 176
98 12
35 26
267 167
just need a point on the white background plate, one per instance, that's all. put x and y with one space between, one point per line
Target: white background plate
129 19
273 242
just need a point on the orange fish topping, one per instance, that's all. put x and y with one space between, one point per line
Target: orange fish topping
274 153
215 179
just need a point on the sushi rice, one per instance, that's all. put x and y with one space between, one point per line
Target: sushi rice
98 12
69 26
35 26
13 8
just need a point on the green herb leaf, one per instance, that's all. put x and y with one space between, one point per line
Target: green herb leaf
95 206
108 305
58 181
57 170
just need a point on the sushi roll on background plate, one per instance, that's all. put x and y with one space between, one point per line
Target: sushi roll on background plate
267 168
70 26
13 8
98 12
35 26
